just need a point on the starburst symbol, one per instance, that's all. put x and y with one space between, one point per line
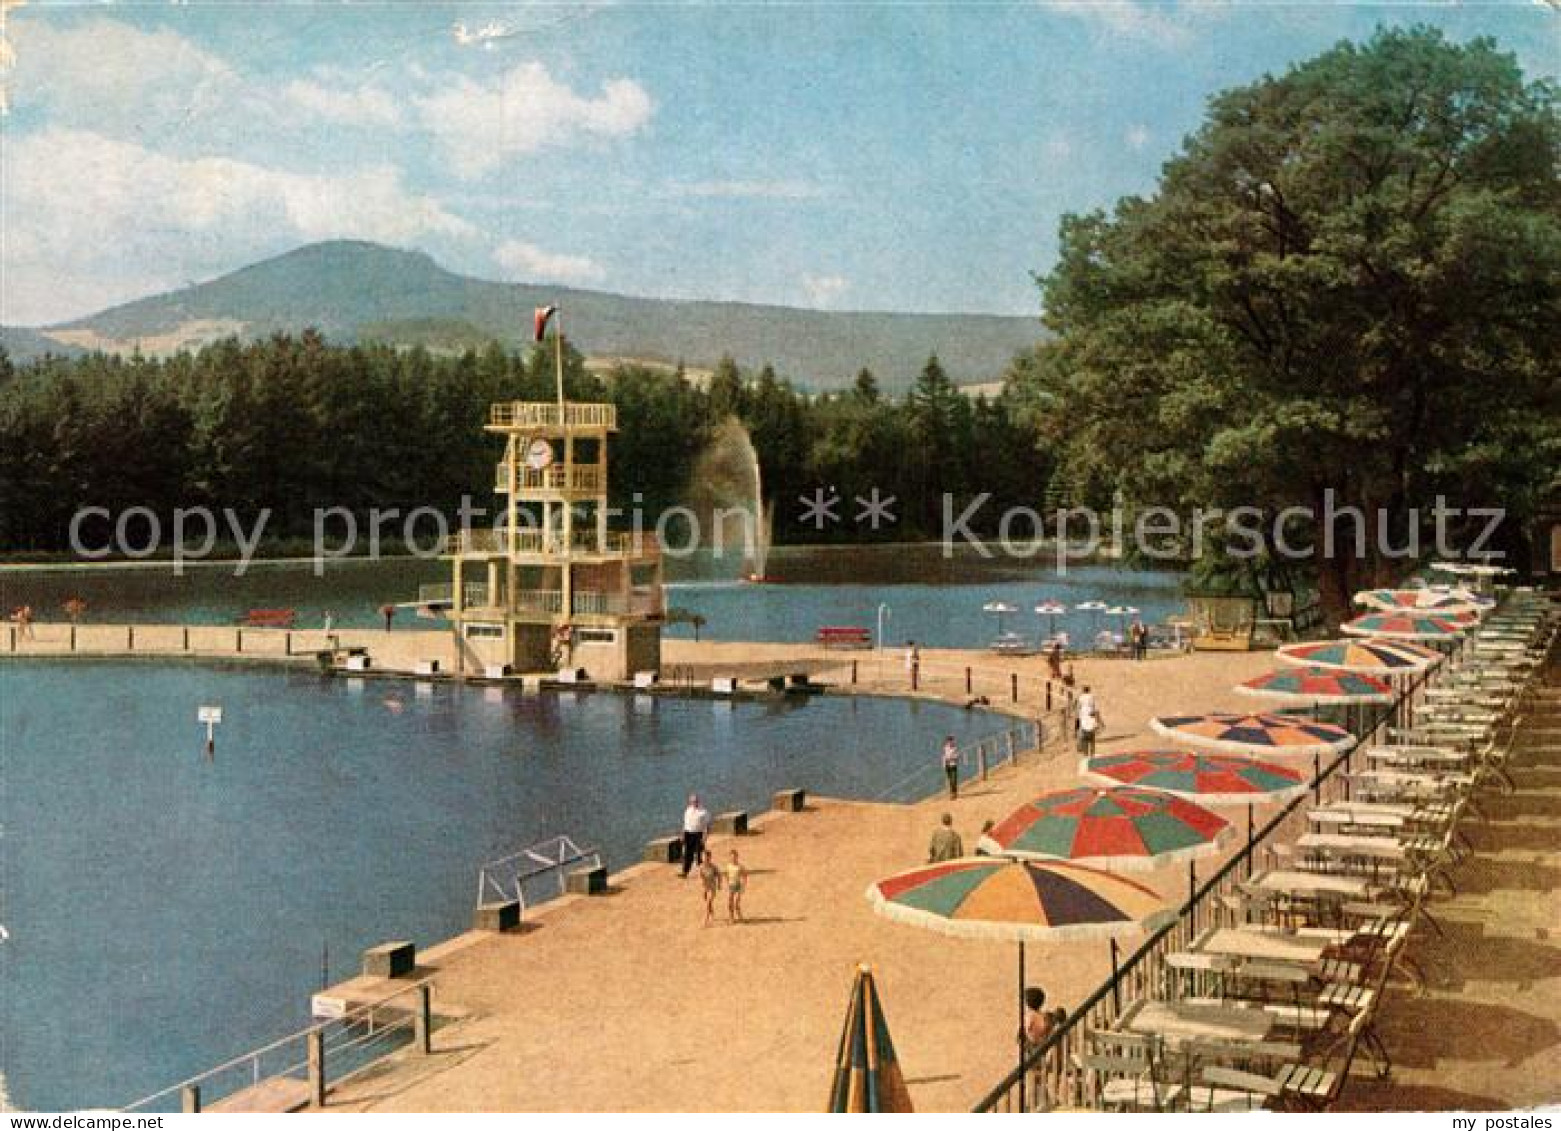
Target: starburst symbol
819 508
875 509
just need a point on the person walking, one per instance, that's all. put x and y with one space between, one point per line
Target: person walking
696 824
1138 635
710 879
951 766
1087 718
946 843
736 883
1054 660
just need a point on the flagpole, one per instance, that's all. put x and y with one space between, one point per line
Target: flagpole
558 354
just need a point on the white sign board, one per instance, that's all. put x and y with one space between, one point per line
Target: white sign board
209 715
323 1007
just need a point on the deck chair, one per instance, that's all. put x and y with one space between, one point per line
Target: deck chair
1129 1072
1234 1089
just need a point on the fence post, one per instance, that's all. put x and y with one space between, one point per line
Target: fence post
72 637
853 673
422 1021
967 679
1048 695
287 643
916 677
186 638
316 1041
981 759
130 637
1317 779
1250 837
238 639
190 1099
1013 686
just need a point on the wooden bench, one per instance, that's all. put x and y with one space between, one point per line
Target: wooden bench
269 618
843 636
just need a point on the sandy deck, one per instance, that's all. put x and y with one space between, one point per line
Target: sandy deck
625 1002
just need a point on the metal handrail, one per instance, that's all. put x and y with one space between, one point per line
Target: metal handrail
1004 745
1131 970
253 1057
551 414
557 855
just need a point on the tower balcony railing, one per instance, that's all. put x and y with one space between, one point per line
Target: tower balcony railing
522 415
583 541
549 478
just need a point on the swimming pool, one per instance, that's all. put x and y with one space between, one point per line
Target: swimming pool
166 913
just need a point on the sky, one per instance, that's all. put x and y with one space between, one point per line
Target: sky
868 156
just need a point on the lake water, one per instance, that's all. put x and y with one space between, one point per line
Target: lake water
166 913
933 599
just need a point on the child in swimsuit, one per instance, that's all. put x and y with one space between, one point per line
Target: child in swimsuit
736 881
710 877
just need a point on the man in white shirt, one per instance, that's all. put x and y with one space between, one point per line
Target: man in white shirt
950 761
1087 715
696 823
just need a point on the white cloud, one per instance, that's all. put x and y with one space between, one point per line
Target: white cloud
530 263
1165 24
1137 136
822 290
130 211
107 76
753 190
367 106
524 110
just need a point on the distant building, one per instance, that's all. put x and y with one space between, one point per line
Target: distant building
553 588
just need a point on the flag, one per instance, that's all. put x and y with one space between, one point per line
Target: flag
541 317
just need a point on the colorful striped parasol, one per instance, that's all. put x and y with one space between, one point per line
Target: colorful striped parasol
1266 734
1433 600
1372 657
1317 685
1211 779
1027 900
1410 626
867 1073
1129 829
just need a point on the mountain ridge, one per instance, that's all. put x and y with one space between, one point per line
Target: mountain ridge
352 290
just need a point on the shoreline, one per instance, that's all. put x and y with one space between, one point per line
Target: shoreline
509 1002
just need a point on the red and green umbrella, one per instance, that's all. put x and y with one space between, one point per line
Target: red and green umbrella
1371 657
867 1073
1211 779
1317 685
1261 734
1027 900
1410 626
1129 829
